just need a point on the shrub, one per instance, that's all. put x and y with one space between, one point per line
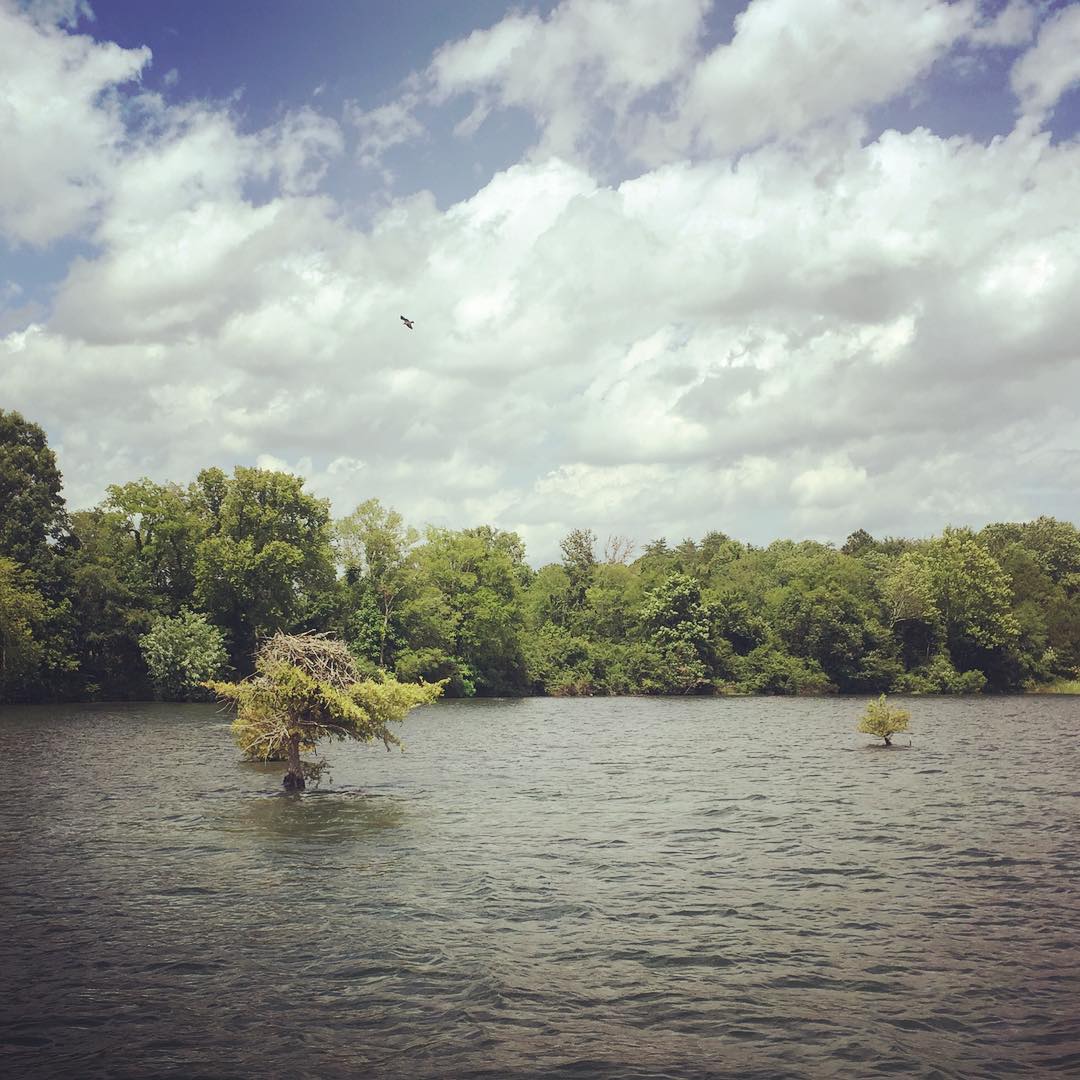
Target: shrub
940 677
883 720
768 670
182 653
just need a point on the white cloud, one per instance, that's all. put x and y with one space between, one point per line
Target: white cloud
300 147
587 58
1050 67
579 73
383 128
611 81
1014 24
824 333
60 112
836 481
58 12
791 65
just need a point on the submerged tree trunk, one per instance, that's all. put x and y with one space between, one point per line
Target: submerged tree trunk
294 778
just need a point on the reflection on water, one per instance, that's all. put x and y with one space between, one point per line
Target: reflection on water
327 815
593 888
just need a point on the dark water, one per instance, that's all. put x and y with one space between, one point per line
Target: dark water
628 887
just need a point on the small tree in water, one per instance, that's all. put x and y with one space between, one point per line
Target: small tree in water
305 688
882 719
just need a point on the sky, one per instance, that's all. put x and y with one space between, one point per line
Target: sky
777 269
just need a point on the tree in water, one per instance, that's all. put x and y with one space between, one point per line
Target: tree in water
883 720
305 688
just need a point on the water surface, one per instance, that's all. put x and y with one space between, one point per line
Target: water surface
595 888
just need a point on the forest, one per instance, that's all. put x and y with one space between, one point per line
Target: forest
161 587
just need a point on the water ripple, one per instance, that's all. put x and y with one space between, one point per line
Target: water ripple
546 889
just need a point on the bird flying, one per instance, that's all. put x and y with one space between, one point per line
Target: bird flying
407 322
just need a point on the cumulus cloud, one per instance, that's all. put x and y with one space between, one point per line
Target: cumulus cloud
630 80
822 332
61 113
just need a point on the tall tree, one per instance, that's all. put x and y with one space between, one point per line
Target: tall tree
165 530
678 621
955 588
265 563
23 615
973 596
34 518
579 562
375 550
111 604
34 536
470 610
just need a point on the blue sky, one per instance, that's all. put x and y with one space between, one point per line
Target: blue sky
768 267
266 56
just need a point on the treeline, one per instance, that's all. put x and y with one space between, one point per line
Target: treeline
162 585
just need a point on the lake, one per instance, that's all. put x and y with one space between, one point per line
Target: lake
622 887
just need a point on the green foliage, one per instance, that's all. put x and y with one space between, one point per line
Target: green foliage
770 670
436 665
611 604
858 543
940 677
305 690
579 562
182 653
882 720
959 612
678 669
1059 686
375 551
33 519
679 624
969 592
165 528
546 600
111 605
469 604
265 563
951 597
35 657
22 612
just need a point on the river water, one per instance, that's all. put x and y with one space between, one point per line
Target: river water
594 888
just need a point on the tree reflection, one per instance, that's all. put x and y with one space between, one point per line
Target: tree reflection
327 815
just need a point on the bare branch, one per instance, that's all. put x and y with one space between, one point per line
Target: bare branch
618 549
